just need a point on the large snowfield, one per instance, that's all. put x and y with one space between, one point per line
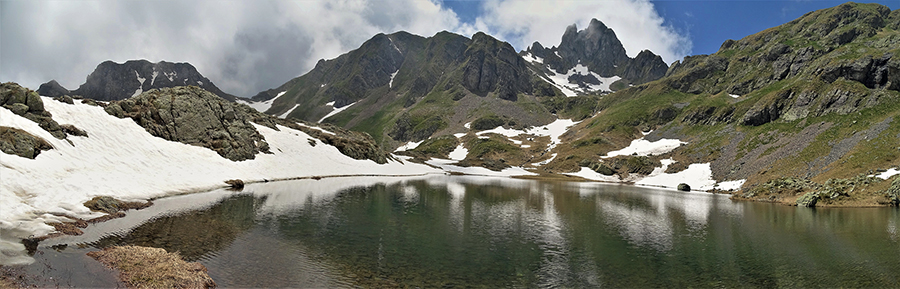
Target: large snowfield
120 159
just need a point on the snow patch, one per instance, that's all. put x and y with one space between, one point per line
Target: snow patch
698 176
140 88
447 166
561 80
408 146
554 130
284 115
734 95
887 174
537 164
152 80
644 147
459 153
391 83
261 106
120 159
335 111
730 185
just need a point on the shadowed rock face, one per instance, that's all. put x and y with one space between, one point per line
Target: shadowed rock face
194 116
114 81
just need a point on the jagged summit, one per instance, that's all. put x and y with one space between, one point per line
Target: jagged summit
591 60
115 81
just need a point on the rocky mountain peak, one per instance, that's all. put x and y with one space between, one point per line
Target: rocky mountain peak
589 61
596 47
114 81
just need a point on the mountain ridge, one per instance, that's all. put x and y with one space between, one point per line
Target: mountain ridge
117 81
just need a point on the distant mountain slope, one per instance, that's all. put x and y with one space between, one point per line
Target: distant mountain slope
403 87
817 98
591 60
114 81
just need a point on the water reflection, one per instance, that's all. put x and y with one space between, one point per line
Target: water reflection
444 231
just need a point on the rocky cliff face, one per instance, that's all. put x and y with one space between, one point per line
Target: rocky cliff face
114 81
599 50
405 87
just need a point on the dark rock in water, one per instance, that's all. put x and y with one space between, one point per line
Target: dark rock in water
808 200
235 184
684 187
28 104
195 116
21 143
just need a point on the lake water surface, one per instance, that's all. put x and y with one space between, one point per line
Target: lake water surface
456 231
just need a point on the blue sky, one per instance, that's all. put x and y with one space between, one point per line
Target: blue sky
246 46
708 23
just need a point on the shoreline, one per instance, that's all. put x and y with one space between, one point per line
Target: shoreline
543 177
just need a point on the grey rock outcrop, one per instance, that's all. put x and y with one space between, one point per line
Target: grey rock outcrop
493 66
195 116
598 48
26 103
19 142
52 89
114 81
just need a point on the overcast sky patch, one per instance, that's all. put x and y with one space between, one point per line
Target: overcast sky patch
248 46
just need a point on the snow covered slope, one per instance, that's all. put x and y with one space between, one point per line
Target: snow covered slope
120 159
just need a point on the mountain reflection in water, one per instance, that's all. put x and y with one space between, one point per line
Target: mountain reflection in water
453 231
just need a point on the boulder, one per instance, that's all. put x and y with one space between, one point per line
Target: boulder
235 184
195 116
64 99
21 143
28 104
808 199
684 187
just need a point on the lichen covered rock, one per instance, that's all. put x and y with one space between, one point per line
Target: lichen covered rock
21 143
28 104
808 199
194 116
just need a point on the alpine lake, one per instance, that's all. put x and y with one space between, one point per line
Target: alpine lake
466 231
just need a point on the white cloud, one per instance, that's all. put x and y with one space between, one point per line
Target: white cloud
248 46
636 23
242 46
